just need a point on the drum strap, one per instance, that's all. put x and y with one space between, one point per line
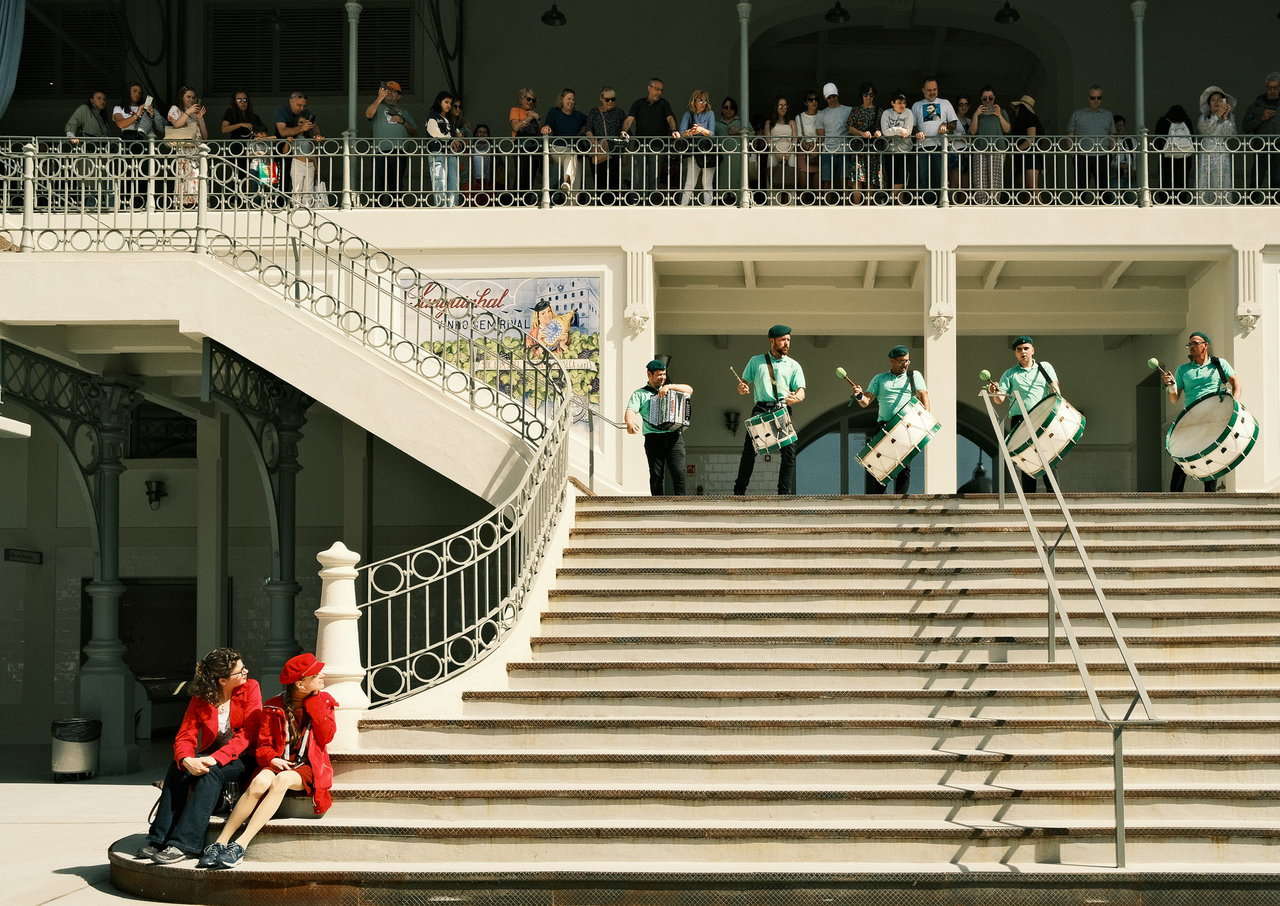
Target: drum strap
1044 374
1222 373
777 394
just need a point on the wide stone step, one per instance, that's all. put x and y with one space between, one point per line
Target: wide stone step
803 533
696 550
755 805
1179 767
854 675
629 845
713 735
562 622
925 647
912 575
870 702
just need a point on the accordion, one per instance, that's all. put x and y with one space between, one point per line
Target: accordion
671 410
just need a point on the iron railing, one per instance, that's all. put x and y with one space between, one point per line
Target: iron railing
1057 612
47 176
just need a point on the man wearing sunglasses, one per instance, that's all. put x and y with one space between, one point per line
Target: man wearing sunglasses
650 117
1201 376
1092 127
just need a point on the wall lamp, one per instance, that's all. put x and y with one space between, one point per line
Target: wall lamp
731 420
1007 15
156 493
837 15
553 17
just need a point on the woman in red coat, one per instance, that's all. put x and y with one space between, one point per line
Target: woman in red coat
296 727
214 745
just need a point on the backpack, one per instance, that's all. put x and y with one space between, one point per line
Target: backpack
1180 144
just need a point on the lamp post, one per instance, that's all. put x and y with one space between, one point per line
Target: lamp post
354 8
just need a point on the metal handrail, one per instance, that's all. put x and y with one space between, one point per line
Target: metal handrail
1045 554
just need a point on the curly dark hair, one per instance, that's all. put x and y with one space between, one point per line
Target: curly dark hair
214 666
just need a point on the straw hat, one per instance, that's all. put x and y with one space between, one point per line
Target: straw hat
1026 101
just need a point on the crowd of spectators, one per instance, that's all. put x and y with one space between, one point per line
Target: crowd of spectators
821 145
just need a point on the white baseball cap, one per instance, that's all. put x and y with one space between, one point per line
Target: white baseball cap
830 89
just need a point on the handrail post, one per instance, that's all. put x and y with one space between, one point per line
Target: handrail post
1117 766
591 448
546 172
202 195
1144 187
153 164
1052 634
744 190
944 197
346 171
27 242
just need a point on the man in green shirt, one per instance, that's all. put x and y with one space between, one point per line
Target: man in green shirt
1034 380
664 448
1202 375
890 391
774 380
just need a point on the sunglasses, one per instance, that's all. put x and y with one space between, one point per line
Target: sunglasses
1095 97
531 100
807 100
610 99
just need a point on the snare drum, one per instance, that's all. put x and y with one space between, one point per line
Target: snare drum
771 431
1057 423
892 448
1212 436
671 410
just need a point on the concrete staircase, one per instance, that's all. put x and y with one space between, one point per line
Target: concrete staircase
730 696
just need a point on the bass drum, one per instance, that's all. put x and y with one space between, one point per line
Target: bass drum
1212 436
896 444
1059 426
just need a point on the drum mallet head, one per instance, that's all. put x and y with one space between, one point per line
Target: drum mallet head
841 372
984 375
1153 362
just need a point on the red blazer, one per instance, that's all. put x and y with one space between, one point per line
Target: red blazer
200 726
274 733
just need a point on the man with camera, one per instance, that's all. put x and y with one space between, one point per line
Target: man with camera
296 127
392 126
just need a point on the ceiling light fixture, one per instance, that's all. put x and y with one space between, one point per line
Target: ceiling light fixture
837 15
1007 15
553 17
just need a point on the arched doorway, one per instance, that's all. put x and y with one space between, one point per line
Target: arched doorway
827 448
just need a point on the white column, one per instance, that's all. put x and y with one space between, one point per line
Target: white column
354 9
1252 352
338 640
634 353
1139 120
744 53
940 361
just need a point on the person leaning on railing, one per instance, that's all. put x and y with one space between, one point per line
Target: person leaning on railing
186 126
1261 119
139 125
89 119
696 127
240 122
604 124
443 165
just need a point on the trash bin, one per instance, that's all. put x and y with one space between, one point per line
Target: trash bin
75 748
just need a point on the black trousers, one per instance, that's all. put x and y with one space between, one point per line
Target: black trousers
747 464
1029 483
1178 481
665 451
901 481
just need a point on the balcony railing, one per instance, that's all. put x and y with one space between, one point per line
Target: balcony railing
107 178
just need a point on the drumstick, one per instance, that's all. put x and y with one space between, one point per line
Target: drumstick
857 394
735 374
1153 362
985 376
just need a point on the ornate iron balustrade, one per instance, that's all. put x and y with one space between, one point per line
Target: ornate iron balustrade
43 178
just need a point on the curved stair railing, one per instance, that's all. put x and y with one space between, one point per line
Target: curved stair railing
1057 612
433 611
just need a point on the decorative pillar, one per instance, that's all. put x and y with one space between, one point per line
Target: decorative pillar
211 532
273 413
354 9
628 371
90 415
744 51
1252 353
1139 8
338 640
940 361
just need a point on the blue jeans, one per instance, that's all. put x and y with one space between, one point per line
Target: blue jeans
444 175
186 803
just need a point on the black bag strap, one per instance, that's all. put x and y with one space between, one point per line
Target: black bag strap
777 394
1044 374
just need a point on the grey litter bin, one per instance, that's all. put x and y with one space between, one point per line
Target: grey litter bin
75 748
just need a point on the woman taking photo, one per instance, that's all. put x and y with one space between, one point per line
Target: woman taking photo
297 725
215 744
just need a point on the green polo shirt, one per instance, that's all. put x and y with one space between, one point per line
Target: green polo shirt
1027 381
789 374
892 393
639 404
1196 381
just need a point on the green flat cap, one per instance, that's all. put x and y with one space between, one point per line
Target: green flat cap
1022 339
1202 335
898 352
778 330
657 365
